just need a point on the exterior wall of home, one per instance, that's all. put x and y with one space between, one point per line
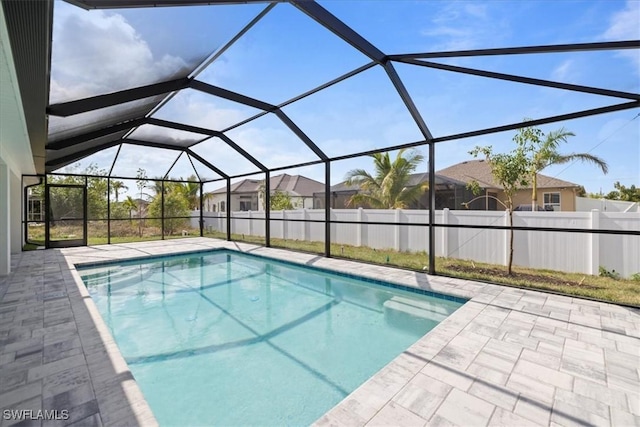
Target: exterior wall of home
523 197
16 156
298 202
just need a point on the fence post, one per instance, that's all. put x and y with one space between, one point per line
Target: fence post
445 232
305 216
250 224
595 242
284 225
396 240
506 238
359 229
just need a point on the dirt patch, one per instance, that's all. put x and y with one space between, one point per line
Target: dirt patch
493 273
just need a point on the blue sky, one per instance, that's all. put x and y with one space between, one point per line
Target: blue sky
287 53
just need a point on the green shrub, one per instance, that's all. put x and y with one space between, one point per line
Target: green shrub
610 274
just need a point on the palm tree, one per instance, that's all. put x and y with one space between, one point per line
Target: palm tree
157 186
388 188
546 154
130 205
117 186
191 190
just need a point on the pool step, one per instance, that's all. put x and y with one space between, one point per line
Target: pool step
122 277
403 312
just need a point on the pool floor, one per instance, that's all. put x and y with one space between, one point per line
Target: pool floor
230 339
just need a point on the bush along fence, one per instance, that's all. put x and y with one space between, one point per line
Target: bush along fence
561 251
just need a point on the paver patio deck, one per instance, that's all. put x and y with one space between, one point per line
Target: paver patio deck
508 357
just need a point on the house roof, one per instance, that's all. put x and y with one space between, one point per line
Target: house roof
414 179
294 185
479 170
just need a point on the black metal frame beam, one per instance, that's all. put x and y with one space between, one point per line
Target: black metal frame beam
109 130
209 132
80 154
267 209
206 163
306 94
151 144
523 50
432 208
65 109
327 209
228 208
337 80
406 98
241 150
616 232
119 4
522 79
486 131
231 96
181 126
300 134
166 175
537 122
340 29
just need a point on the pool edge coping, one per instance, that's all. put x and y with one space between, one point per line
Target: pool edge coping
114 360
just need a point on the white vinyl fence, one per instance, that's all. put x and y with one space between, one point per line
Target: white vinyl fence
587 204
563 251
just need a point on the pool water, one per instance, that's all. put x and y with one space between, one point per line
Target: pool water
224 338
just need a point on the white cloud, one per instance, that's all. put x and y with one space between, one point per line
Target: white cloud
462 26
447 31
477 10
98 52
625 25
564 71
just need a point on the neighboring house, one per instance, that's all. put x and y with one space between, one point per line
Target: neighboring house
246 194
450 193
553 193
143 208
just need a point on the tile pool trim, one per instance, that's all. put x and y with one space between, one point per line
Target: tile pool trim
384 283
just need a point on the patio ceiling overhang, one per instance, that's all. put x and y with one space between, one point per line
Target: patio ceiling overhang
81 127
29 25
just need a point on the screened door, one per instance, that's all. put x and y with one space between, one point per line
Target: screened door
66 225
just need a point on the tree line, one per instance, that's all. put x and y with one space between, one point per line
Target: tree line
146 206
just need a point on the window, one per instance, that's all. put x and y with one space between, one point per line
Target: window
551 200
35 211
245 206
492 202
222 207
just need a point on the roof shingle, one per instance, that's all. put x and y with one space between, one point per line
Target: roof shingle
480 171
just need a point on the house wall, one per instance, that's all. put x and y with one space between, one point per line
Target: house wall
15 153
523 197
214 203
216 199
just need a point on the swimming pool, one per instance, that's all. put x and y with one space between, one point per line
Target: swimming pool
234 339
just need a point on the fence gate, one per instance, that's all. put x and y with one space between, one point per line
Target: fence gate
66 224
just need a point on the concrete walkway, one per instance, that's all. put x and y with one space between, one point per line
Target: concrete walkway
507 357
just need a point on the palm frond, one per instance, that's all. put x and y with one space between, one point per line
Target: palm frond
583 157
